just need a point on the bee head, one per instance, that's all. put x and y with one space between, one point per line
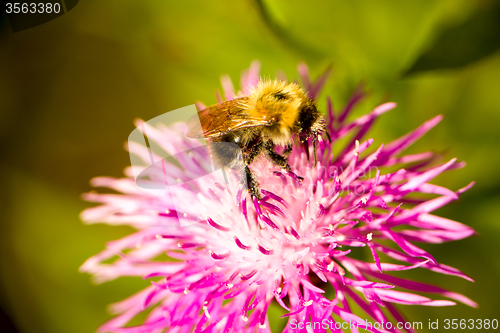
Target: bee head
309 121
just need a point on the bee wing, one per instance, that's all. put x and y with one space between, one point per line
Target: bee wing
219 119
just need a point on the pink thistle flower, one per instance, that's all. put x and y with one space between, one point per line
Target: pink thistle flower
287 247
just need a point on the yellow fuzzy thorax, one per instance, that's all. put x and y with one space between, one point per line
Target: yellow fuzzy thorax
263 105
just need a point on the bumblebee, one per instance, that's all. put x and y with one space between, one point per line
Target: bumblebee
246 127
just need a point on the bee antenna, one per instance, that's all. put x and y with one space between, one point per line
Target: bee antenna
328 136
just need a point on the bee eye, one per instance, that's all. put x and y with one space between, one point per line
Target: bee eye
280 96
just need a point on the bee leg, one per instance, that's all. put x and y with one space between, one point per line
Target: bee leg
248 177
276 158
287 151
252 184
255 150
279 160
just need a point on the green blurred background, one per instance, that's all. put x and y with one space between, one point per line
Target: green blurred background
70 89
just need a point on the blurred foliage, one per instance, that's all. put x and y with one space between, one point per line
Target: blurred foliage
70 89
474 39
